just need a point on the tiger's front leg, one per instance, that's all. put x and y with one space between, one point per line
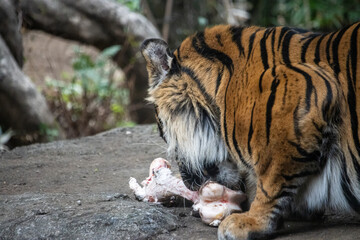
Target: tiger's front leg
278 181
263 218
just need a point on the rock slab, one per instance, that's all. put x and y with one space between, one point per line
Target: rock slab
78 189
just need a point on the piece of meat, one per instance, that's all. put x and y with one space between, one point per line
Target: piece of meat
217 202
161 184
213 201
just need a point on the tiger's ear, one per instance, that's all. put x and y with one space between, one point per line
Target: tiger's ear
158 59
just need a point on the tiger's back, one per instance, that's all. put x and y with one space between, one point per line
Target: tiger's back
280 103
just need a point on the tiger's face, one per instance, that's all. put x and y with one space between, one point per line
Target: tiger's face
186 119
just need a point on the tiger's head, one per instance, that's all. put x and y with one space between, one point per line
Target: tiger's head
182 87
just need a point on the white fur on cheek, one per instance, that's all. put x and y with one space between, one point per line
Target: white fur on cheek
194 140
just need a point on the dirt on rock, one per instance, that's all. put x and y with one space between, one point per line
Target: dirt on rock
78 189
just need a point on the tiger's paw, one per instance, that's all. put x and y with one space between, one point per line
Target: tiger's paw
243 226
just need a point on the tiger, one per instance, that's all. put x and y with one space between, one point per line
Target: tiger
271 111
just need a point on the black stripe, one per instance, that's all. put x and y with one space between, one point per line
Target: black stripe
251 130
285 47
296 120
201 87
251 42
260 81
290 187
273 71
309 86
172 94
218 38
225 118
236 38
175 66
317 50
208 98
159 124
299 175
329 96
335 50
229 64
346 188
353 52
327 102
351 98
263 190
285 88
236 146
318 128
352 105
305 46
278 207
282 33
315 97
313 156
218 80
178 54
285 194
328 47
269 106
273 46
263 51
204 50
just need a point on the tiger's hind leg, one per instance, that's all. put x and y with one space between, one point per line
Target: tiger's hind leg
288 155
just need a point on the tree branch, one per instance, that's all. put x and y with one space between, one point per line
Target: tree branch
23 108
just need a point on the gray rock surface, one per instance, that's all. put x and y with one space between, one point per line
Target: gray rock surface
78 189
95 216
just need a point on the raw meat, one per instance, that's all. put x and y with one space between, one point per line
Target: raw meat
160 184
213 201
216 202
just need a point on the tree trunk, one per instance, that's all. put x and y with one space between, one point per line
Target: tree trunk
22 107
10 24
101 23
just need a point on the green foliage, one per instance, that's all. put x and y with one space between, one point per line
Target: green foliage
90 100
310 14
133 5
50 133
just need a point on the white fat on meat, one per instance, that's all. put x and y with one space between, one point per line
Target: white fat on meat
213 201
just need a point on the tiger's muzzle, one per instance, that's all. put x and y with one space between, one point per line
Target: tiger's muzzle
224 173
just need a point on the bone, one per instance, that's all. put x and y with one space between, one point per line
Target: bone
213 201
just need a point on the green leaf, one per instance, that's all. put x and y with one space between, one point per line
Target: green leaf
110 51
117 108
82 61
